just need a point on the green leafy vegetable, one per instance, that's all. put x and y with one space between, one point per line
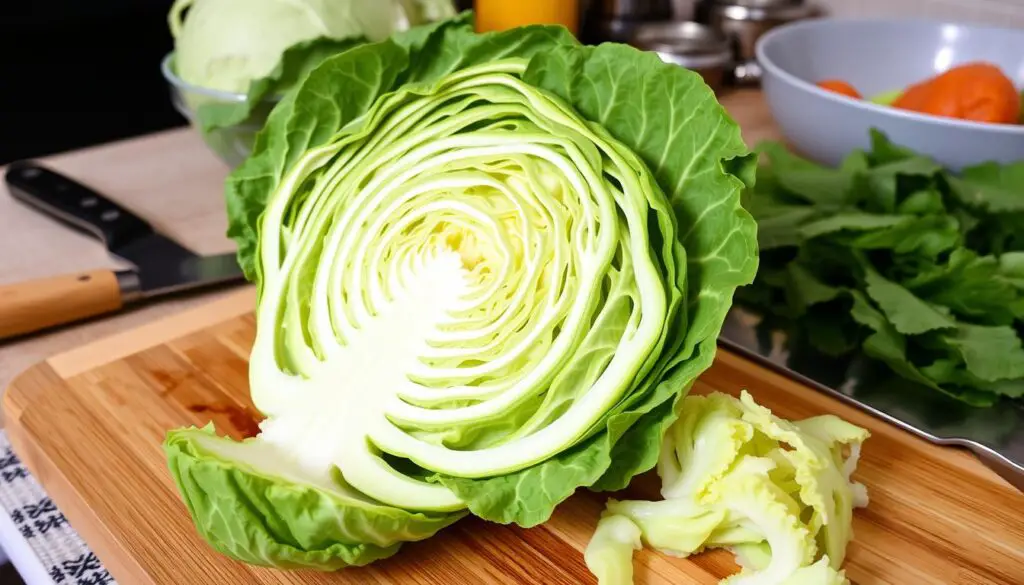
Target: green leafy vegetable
907 313
779 494
919 267
489 267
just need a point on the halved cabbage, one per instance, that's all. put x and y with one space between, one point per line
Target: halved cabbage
488 268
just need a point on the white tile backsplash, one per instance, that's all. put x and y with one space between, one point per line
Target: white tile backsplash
998 12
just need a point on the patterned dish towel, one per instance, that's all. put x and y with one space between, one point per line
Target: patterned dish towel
59 548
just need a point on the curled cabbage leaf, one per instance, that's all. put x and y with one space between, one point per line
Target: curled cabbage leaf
779 494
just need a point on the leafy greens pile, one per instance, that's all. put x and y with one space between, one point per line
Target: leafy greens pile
778 494
889 252
488 269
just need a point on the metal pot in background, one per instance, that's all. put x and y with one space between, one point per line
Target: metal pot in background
617 20
693 31
744 21
690 45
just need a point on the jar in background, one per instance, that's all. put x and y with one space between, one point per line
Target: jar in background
492 15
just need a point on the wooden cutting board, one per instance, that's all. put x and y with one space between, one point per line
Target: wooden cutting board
89 424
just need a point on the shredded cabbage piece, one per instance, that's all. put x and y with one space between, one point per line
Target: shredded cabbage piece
777 493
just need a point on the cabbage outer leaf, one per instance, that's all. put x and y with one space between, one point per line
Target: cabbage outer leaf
304 522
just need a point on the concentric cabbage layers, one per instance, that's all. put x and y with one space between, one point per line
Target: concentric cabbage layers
488 266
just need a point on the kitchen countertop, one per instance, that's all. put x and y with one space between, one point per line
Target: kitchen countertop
168 178
171 180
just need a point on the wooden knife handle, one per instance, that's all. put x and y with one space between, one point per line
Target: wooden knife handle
26 307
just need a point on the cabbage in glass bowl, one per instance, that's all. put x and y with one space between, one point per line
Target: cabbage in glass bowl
234 59
232 143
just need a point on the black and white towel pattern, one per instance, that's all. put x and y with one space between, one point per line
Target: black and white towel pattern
59 548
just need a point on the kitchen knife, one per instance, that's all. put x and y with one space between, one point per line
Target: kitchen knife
995 434
160 265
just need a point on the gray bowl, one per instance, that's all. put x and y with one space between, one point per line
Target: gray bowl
877 56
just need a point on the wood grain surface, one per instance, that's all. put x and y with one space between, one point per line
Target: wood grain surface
33 305
89 424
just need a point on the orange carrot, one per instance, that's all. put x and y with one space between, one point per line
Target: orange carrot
840 87
979 92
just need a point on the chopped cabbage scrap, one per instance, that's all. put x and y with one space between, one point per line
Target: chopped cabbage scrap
777 493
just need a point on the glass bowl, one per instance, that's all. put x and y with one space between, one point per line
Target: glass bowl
231 144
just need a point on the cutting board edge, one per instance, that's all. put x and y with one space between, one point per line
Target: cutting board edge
120 345
57 486
50 375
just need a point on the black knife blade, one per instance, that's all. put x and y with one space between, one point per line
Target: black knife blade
160 265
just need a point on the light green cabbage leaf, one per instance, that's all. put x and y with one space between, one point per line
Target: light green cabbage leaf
779 494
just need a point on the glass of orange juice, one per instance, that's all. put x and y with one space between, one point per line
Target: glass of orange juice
492 15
